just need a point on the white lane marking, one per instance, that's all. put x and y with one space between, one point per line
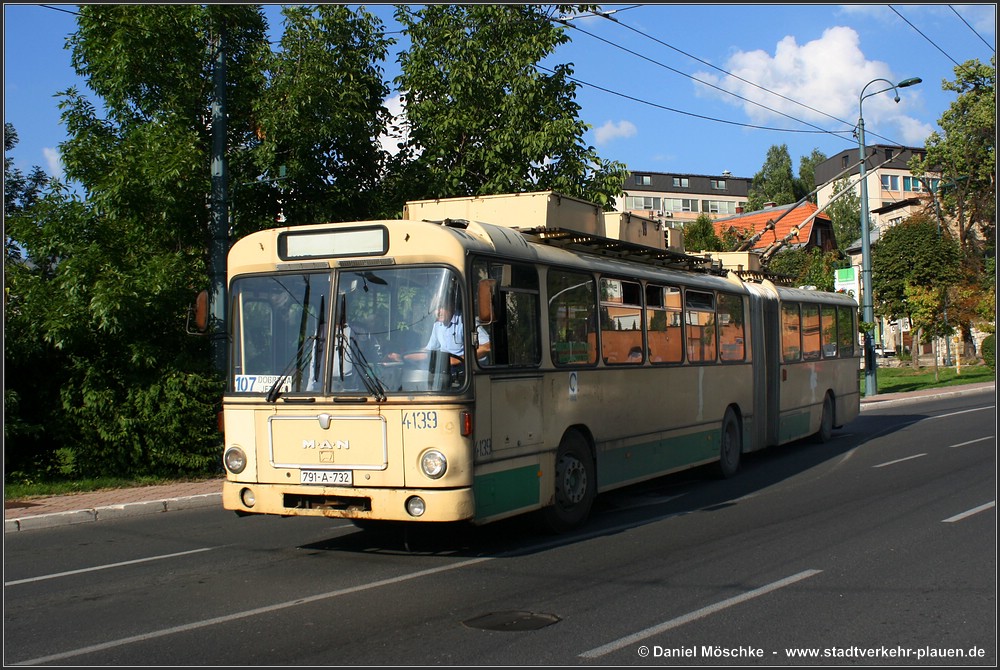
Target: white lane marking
962 444
105 567
697 614
974 510
249 613
898 460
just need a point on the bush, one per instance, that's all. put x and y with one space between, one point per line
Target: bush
989 351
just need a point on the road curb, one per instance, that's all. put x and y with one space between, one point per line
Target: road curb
106 512
888 400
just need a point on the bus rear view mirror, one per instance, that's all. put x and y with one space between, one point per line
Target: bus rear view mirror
485 301
198 313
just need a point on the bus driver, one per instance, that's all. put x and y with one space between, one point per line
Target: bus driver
448 335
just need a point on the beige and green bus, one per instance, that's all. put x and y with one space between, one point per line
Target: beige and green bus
452 367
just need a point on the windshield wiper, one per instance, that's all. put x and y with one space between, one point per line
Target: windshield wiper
368 376
295 364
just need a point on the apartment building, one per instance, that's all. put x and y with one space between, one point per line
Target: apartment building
893 192
674 198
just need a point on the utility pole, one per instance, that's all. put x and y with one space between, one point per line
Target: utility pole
219 245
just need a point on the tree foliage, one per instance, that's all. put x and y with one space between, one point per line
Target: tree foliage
806 181
911 253
774 183
484 117
964 153
845 213
700 235
807 267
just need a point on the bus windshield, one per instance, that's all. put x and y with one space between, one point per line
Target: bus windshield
383 331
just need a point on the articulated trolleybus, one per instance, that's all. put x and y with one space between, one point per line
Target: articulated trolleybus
487 357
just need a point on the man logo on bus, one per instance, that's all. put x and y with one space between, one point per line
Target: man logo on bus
326 444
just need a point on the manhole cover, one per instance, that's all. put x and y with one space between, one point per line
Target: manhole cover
514 621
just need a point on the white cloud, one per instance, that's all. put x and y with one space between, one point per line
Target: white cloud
826 75
53 162
612 131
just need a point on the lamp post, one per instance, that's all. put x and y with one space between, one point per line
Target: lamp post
867 309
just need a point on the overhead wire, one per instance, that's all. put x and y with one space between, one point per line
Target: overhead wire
700 81
975 32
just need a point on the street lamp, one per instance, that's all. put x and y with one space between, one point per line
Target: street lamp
867 310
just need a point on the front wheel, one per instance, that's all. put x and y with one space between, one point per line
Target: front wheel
575 485
731 445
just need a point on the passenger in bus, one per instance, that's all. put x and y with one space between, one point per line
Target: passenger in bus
635 355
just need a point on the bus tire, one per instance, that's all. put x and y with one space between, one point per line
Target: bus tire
730 445
825 432
575 485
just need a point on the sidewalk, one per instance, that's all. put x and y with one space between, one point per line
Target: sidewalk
102 505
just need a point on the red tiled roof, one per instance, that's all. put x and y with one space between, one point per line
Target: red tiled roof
754 222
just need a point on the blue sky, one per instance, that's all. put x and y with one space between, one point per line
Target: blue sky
697 88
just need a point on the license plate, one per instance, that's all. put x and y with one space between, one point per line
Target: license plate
329 477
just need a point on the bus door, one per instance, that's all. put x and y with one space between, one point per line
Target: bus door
508 386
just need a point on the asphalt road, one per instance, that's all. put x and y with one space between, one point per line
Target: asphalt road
877 548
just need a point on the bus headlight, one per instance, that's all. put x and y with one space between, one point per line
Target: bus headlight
235 460
415 506
433 463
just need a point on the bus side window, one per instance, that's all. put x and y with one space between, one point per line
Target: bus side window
621 322
847 330
514 334
828 322
732 343
663 323
572 307
791 340
810 332
701 327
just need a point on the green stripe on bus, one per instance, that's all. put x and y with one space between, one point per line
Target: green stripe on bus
639 460
793 426
500 492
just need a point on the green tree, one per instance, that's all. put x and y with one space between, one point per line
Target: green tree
483 115
319 119
774 183
33 367
845 213
700 235
914 254
964 153
806 181
807 267
113 273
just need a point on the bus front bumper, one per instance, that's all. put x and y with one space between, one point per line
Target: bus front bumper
438 505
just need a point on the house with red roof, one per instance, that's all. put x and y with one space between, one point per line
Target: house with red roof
788 226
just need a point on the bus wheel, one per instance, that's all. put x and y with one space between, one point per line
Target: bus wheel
731 446
575 486
825 431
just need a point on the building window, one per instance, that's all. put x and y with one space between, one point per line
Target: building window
642 180
680 205
912 184
843 162
718 184
890 182
718 206
681 182
888 154
642 202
